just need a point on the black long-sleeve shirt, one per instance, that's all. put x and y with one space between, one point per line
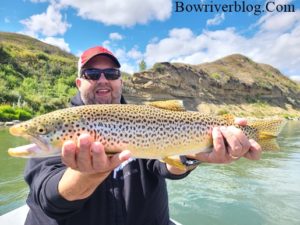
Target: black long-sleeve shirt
135 193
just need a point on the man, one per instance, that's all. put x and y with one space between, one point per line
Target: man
85 186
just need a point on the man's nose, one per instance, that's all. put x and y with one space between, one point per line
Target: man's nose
102 79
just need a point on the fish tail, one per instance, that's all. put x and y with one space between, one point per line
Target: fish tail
268 130
269 144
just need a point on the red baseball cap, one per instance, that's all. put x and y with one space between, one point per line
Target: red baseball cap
92 52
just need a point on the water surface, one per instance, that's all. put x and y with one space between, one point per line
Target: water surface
12 186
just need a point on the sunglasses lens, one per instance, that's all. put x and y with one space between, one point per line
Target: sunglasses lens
91 74
112 74
94 74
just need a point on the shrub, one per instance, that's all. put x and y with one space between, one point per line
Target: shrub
8 113
23 115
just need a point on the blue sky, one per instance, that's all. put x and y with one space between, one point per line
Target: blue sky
152 29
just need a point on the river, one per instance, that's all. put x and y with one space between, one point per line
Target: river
264 192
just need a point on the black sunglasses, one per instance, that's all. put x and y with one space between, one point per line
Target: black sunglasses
95 74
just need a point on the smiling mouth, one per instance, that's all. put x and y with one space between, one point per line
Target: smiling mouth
102 91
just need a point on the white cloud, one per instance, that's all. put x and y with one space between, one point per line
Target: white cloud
279 47
219 18
121 13
120 53
135 54
128 68
279 22
59 42
50 23
295 78
115 36
106 44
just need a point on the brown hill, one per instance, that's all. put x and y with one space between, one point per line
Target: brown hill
234 81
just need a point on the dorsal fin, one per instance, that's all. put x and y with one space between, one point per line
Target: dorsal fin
174 105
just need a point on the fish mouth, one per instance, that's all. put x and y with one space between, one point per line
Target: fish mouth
20 131
24 151
38 148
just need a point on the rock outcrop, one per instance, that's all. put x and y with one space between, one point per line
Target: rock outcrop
234 79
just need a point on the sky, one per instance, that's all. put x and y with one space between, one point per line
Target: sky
267 31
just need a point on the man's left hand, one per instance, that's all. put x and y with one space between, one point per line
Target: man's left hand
238 145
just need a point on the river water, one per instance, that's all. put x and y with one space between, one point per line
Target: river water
264 192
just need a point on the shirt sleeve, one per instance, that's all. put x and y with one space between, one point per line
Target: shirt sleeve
160 168
43 176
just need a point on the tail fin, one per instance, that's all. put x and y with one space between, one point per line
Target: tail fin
268 130
269 144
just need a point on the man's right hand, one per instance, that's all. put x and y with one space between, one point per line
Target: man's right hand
88 167
89 157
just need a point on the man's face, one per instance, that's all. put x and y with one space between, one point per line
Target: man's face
100 91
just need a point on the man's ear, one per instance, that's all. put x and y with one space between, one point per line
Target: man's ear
78 82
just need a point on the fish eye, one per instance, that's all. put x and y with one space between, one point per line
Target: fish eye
41 129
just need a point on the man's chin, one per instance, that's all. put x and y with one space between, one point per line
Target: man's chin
103 100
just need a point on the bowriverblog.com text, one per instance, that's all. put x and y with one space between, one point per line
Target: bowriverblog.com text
233 6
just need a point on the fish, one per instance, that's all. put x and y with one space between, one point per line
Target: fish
156 130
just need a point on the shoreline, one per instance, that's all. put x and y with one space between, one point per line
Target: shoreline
9 123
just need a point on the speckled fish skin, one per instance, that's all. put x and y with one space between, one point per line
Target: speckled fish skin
148 132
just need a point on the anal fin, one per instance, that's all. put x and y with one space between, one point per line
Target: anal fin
174 161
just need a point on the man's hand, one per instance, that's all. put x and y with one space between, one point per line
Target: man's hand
88 167
238 145
89 157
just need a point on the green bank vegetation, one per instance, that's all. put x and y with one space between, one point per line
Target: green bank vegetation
9 113
35 76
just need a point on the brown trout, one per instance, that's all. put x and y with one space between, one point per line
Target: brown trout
159 130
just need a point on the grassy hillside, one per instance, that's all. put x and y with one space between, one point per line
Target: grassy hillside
34 75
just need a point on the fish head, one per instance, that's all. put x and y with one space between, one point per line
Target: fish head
47 132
